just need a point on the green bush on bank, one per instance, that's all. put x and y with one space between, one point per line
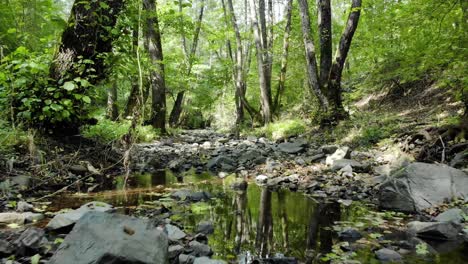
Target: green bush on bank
282 129
107 131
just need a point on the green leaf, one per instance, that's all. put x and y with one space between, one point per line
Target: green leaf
35 259
86 99
69 86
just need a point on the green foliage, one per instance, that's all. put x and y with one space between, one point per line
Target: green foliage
282 129
106 132
10 138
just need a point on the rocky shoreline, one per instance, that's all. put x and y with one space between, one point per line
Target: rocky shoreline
383 177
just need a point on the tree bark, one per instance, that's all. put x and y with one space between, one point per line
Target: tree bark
325 35
312 72
112 109
178 104
84 39
284 58
158 86
334 85
262 75
135 93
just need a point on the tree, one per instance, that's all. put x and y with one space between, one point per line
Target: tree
327 84
263 59
154 46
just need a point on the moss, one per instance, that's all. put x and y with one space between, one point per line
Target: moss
106 131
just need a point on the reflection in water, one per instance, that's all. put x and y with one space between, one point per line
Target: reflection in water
264 234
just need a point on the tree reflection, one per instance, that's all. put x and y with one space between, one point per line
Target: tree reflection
264 235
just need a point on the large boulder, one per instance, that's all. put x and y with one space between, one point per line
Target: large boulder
420 185
67 220
292 147
435 230
99 238
221 163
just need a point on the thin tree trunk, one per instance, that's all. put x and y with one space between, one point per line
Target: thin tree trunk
178 104
135 94
334 85
325 35
264 91
112 109
284 58
158 86
265 223
312 71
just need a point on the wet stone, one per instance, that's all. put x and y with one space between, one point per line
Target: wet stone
30 241
349 234
174 251
199 249
186 259
174 233
206 260
205 227
387 255
454 215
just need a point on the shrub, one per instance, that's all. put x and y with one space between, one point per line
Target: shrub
107 132
282 129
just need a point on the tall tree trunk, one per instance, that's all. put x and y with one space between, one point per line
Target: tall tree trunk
158 86
84 39
178 104
325 35
112 109
135 93
312 71
262 75
284 58
334 85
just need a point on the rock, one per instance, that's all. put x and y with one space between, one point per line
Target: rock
340 153
460 160
111 238
388 255
349 234
24 207
328 149
205 227
355 165
249 156
346 171
454 215
252 138
30 241
174 251
434 230
261 179
206 260
6 248
291 147
189 195
11 218
412 188
174 233
272 165
465 235
316 157
276 260
199 249
206 145
221 162
32 217
186 259
68 219
23 182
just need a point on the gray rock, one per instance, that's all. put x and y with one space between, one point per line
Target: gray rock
186 259
6 248
261 179
328 149
340 153
434 230
11 218
342 163
249 156
205 227
420 185
221 162
455 215
291 147
111 238
460 160
206 260
24 207
189 195
68 219
174 251
388 255
23 182
174 233
32 217
78 169
272 165
465 235
349 234
30 241
199 249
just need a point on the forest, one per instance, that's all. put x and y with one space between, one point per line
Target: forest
233 131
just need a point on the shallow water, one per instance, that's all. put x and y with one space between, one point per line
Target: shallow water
255 221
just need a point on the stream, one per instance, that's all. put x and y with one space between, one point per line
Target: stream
255 221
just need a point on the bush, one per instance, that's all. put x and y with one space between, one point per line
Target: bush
282 129
10 138
107 132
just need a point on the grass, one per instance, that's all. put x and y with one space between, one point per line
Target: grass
282 129
106 131
10 138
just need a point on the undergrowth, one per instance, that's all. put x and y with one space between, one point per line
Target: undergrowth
107 131
282 129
